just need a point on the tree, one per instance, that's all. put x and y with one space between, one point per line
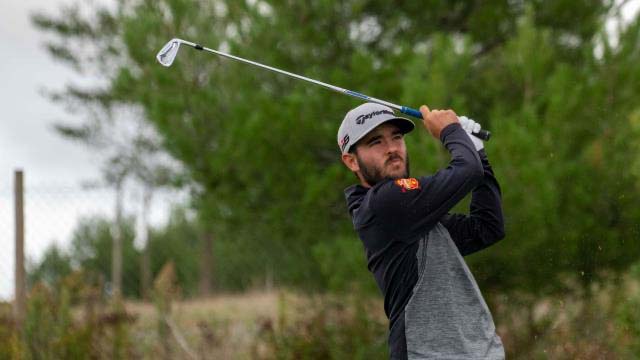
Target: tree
177 242
91 251
53 267
259 149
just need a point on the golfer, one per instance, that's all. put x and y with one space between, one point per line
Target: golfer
413 244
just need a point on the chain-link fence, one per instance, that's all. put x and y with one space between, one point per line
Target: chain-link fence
53 211
73 316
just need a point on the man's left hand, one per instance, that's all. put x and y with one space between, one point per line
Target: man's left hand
470 127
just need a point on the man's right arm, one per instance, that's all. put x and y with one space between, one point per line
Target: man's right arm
413 210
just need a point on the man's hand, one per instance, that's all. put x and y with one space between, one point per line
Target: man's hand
436 120
470 127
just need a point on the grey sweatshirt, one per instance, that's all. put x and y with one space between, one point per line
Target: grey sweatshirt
414 249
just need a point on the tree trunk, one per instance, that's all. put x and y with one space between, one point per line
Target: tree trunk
116 255
145 266
206 264
145 269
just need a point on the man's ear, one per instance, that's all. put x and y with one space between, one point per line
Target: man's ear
351 162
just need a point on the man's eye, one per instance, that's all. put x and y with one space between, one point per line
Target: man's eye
374 142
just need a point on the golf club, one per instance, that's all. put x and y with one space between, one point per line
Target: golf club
168 54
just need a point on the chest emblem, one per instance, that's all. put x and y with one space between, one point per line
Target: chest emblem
408 184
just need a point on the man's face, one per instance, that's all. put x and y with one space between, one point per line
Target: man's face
381 154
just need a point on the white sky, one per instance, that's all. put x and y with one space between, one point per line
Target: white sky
27 141
25 136
53 167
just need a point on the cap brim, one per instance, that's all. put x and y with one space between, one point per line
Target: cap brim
405 125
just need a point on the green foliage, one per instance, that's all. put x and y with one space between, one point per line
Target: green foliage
53 331
10 346
91 251
330 328
600 322
178 242
54 266
628 316
259 149
343 264
89 257
49 330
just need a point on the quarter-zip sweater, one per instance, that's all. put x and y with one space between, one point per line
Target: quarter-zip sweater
414 248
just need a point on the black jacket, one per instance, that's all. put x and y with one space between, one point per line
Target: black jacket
391 217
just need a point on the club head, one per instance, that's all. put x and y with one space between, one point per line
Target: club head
168 53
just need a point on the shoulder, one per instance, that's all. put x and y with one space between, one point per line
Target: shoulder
395 194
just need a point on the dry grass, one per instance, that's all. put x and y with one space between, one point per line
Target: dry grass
222 326
563 326
572 325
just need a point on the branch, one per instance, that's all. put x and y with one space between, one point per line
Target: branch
177 335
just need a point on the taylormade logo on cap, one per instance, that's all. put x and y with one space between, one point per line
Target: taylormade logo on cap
362 118
360 121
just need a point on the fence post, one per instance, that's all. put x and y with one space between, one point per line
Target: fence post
206 264
20 282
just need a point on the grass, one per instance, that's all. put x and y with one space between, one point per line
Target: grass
227 325
285 324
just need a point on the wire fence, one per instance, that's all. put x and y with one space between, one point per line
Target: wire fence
53 210
53 215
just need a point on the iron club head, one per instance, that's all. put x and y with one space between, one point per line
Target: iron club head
168 53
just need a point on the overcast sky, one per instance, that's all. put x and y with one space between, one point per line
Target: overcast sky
53 167
25 136
26 139
27 142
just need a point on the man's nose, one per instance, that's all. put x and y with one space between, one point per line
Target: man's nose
392 147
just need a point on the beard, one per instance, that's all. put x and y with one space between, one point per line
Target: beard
373 174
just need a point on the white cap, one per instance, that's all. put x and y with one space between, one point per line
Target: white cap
360 121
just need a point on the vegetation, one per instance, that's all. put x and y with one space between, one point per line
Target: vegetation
259 150
258 153
292 325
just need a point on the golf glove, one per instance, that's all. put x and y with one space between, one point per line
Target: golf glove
471 126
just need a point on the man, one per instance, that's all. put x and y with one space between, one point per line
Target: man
414 246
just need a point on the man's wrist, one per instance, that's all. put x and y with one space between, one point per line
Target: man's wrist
448 130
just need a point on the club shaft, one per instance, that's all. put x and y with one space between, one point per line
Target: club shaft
483 134
299 77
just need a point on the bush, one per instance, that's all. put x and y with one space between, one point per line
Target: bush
341 327
602 322
343 264
52 331
9 341
628 316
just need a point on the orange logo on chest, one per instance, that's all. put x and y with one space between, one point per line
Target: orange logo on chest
408 184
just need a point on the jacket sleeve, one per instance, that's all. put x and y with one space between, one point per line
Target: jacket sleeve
484 225
410 206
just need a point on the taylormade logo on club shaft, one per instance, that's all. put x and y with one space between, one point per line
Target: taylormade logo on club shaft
362 118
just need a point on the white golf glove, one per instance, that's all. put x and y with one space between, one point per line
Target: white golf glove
471 126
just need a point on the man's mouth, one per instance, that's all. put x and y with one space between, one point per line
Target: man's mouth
393 159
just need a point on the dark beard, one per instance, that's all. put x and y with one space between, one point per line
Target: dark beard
373 175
